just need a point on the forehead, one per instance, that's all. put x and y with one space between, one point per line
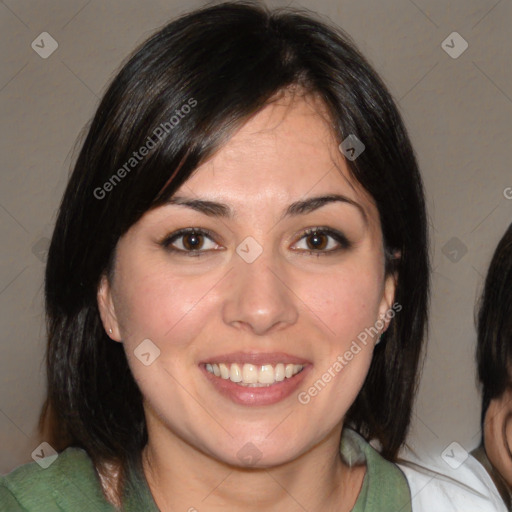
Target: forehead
286 151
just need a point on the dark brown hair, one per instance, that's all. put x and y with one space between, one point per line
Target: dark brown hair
494 347
230 59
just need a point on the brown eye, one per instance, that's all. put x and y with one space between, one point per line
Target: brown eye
323 241
193 241
190 241
317 241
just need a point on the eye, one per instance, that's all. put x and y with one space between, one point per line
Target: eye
324 241
198 241
190 241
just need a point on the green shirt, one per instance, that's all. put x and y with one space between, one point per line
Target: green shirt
71 484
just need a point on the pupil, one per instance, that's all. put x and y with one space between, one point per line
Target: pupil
192 241
317 242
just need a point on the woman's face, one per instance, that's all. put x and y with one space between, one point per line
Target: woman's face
253 294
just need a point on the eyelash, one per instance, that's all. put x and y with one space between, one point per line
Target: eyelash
343 242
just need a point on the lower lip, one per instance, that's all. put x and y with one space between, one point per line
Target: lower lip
266 395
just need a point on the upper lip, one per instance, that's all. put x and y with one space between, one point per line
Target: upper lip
255 358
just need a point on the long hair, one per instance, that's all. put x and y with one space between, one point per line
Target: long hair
181 95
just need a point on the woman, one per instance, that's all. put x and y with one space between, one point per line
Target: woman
237 283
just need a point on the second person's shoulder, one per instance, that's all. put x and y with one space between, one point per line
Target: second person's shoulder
437 486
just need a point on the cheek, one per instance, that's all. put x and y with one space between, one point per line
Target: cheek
347 302
171 312
161 306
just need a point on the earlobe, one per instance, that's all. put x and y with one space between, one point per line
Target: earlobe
107 309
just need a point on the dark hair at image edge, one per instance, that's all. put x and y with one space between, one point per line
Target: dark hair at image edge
494 325
231 59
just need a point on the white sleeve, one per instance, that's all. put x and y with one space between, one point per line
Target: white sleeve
469 488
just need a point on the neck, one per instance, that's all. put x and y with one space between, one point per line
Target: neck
181 477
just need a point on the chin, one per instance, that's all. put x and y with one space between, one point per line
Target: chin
256 455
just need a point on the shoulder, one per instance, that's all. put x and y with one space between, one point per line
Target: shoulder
69 482
437 486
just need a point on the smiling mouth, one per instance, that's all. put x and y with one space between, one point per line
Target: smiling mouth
250 375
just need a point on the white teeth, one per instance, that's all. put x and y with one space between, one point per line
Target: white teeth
249 374
235 374
252 375
266 375
224 371
279 372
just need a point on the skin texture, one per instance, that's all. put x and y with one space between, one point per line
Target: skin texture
498 435
288 300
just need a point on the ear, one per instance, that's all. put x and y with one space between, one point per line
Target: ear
107 309
387 299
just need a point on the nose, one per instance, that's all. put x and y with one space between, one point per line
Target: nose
258 297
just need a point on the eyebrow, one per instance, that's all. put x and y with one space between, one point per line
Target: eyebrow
215 209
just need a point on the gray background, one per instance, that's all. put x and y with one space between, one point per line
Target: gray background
458 112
